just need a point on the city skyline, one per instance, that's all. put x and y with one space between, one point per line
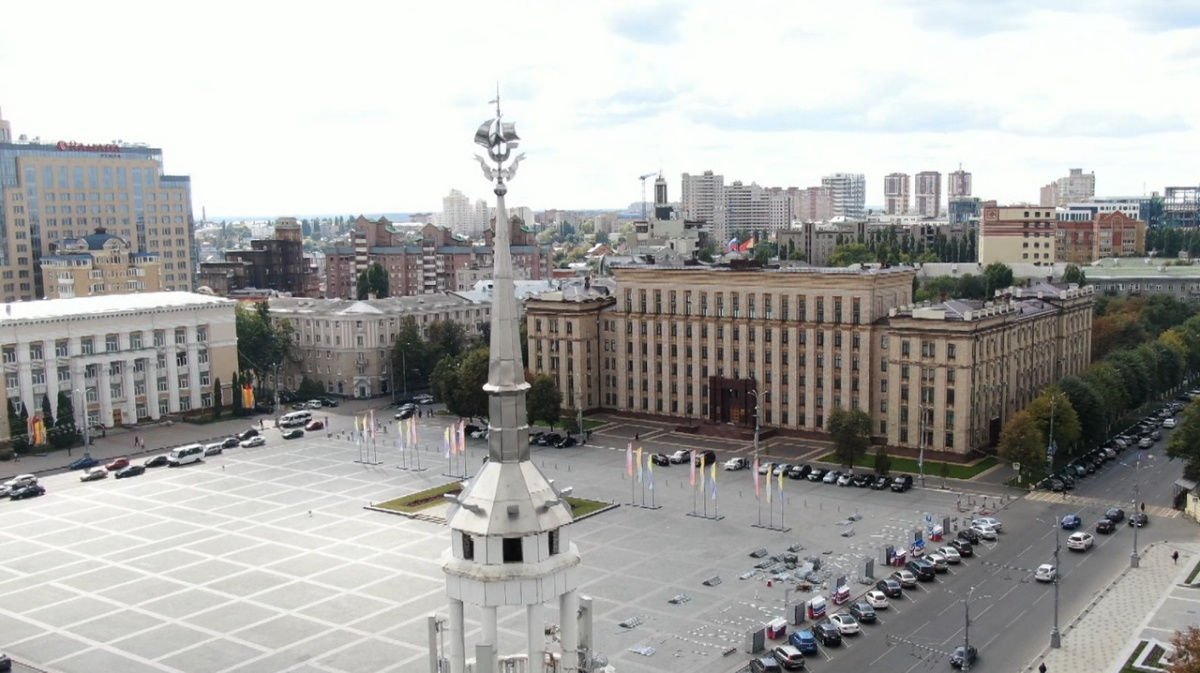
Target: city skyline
331 112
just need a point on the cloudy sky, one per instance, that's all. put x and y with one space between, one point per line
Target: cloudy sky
281 108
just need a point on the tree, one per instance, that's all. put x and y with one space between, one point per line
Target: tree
972 286
544 400
851 433
1187 651
309 389
409 364
15 429
238 409
1074 274
372 281
1185 442
444 382
852 253
1053 404
883 462
1089 408
444 338
459 383
65 433
218 402
997 276
262 344
1022 442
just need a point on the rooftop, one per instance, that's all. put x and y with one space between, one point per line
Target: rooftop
389 305
117 303
1140 267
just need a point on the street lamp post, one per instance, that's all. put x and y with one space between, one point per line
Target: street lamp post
1135 560
966 662
404 368
1055 634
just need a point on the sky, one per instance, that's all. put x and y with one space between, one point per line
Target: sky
285 108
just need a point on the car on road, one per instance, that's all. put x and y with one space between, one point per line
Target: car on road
27 491
764 665
682 456
118 464
738 463
1045 573
781 468
804 641
799 471
964 548
970 535
424 398
253 442
1053 484
294 433
862 480
789 657
17 482
828 634
94 474
1116 515
831 477
863 612
5 663
247 434
985 531
1071 522
881 482
876 599
845 479
156 461
406 412
951 554
845 623
566 442
906 578
890 587
83 463
1139 520
902 483
1168 423
988 521
964 657
328 402
219 448
660 459
1105 526
1080 541
314 426
483 434
818 473
705 458
231 442
545 439
130 471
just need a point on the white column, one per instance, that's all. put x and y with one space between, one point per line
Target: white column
568 624
490 631
172 373
152 385
25 378
193 353
105 394
458 633
130 412
535 627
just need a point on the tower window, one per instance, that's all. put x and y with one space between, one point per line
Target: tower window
512 550
468 547
553 542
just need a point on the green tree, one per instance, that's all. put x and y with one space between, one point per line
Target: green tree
933 288
1185 442
444 382
997 276
1054 404
851 253
444 338
218 401
309 389
883 462
410 366
65 433
458 382
47 415
1022 442
238 407
373 280
972 286
1089 407
544 400
1074 274
851 434
262 344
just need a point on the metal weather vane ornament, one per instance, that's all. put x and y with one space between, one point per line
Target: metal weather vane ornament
500 138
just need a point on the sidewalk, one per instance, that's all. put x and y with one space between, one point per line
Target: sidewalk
1105 634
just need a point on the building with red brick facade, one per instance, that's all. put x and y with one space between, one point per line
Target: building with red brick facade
1112 234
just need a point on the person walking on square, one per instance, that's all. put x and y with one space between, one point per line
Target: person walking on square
1042 667
1175 557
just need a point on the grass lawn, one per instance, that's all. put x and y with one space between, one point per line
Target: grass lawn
932 468
1137 653
430 497
1192 575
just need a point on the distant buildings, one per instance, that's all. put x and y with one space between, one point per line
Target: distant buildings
896 191
929 194
1076 186
99 264
849 193
1082 238
958 185
1017 234
1181 207
812 204
277 264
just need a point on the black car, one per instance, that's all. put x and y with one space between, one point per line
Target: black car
247 434
964 657
922 569
902 483
890 587
863 612
230 443
566 442
326 402
535 436
27 491
294 433
660 459
471 427
549 439
1067 480
1051 484
1139 520
963 547
5 662
828 634
968 535
156 461
800 471
1116 515
880 483
704 458
818 473
130 471
862 480
1105 526
765 665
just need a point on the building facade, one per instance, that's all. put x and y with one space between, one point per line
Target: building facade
701 196
1111 234
277 264
423 259
1075 187
55 191
849 193
99 264
958 184
928 202
719 345
896 190
751 208
1017 234
346 345
812 204
123 359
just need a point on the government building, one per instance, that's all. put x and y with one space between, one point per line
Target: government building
123 359
718 344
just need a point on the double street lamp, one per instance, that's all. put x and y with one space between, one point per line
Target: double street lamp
1055 634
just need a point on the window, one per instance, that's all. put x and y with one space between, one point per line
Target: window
35 352
468 547
160 338
111 343
512 552
86 347
181 336
202 334
554 534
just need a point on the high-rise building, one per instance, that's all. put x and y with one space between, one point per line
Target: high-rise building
702 196
813 204
928 194
51 192
1075 187
751 209
958 184
5 129
457 214
849 192
895 194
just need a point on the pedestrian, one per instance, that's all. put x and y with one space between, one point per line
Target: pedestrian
135 441
1175 557
1042 667
1143 507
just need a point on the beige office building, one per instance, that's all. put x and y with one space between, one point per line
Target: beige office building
714 344
99 264
1010 234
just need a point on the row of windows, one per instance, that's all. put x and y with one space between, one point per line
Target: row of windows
700 305
112 344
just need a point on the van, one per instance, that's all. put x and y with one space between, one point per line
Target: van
192 453
902 483
295 418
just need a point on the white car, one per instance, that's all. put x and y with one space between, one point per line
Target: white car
951 554
939 562
94 473
253 441
1045 573
737 464
985 531
846 624
1080 541
781 468
680 456
766 468
877 600
989 521
1169 423
844 480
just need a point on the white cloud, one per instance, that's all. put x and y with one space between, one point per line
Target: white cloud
274 108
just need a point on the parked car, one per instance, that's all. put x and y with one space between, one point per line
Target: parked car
1105 526
1079 541
27 491
906 578
828 634
471 427
16 482
1045 573
969 534
789 657
660 459
863 612
803 641
737 463
939 562
1139 520
681 456
831 477
1053 484
862 480
1071 522
845 479
877 599
118 464
890 587
218 448
566 442
84 463
5 663
253 442
406 411
247 434
964 548
130 471
984 531
705 458
951 554
313 426
922 569
881 482
423 398
548 439
328 402
988 521
964 657
766 468
781 468
156 461
764 665
799 471
294 433
1168 423
231 442
94 474
902 483
818 474
845 623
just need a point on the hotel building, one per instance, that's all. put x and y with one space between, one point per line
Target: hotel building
124 359
714 344
51 192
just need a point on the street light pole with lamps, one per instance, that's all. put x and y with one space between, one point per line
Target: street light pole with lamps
1135 559
966 663
757 430
1055 634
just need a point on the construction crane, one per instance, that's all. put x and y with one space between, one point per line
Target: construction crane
643 179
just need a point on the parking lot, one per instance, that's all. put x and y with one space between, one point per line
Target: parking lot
264 559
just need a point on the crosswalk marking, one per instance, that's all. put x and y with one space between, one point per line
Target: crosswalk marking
1050 496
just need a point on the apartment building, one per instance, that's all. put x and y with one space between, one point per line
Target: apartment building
702 195
346 345
99 264
812 204
1113 234
1074 187
54 191
123 359
849 193
1017 234
928 202
718 344
958 184
896 190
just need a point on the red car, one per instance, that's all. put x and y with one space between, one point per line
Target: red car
315 425
117 464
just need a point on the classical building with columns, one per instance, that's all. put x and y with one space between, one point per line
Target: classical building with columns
123 358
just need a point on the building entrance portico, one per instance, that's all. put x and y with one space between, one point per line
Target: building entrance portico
732 400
